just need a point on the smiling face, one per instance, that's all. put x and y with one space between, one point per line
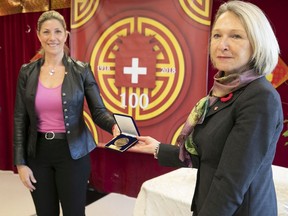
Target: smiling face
52 37
230 48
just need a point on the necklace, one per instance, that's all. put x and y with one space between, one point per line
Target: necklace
52 71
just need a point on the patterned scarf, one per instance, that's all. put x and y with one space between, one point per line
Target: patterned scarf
223 85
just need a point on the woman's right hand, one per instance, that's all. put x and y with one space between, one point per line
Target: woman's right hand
145 144
26 176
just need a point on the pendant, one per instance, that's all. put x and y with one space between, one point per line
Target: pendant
52 72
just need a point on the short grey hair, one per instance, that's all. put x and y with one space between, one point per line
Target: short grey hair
260 34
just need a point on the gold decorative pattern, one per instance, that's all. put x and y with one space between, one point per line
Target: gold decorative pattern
82 11
8 7
198 10
170 69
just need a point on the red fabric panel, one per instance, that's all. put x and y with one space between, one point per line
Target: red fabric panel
113 171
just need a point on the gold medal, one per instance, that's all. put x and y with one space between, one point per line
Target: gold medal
121 142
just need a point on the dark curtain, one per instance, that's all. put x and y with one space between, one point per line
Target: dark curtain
18 44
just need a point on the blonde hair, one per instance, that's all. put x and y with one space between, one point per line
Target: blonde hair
260 33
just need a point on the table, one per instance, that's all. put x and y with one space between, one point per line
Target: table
171 194
167 195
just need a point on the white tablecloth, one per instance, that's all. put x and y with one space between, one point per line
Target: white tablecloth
171 194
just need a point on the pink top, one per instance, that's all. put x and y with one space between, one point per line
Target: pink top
48 105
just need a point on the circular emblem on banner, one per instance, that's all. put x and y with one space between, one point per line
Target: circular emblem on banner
197 10
139 65
82 11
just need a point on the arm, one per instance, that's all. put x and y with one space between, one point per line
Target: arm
21 124
98 111
167 155
21 121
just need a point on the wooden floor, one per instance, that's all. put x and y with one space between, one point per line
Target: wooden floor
16 200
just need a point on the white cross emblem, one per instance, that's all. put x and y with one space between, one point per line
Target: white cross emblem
135 70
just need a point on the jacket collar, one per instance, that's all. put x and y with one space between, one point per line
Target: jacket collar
219 105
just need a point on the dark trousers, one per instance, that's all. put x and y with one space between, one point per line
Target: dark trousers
60 179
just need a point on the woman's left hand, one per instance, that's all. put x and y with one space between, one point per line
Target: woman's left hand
115 130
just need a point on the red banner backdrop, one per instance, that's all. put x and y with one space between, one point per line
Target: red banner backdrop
150 59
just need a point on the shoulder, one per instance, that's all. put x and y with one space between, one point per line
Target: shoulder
79 69
29 68
31 65
77 64
261 88
261 95
262 84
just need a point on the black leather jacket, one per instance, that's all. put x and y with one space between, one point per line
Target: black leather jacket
79 83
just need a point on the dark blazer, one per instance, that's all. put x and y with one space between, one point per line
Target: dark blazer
236 145
79 83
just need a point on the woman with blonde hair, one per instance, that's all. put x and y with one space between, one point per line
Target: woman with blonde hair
51 140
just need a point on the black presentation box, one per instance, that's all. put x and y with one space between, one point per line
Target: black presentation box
128 133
